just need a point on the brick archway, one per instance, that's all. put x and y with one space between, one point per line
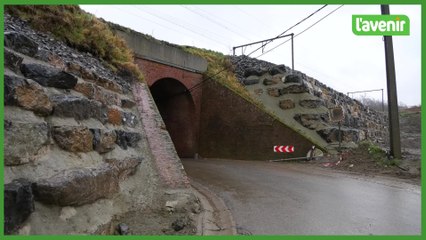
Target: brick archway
181 116
177 109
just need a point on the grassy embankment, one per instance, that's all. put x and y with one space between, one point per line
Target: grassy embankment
79 30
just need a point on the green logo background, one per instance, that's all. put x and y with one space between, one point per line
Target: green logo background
373 21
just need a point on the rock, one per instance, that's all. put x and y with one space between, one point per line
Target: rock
278 69
127 103
78 107
252 72
18 204
10 84
49 76
20 43
312 121
107 97
311 103
123 229
76 187
332 134
293 78
251 81
125 167
180 223
103 140
73 139
287 104
109 84
129 119
26 94
274 92
12 61
272 81
87 89
115 116
297 88
23 141
127 139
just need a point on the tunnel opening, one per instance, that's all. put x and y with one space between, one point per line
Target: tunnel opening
177 109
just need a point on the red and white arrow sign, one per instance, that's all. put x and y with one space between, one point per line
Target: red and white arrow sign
286 149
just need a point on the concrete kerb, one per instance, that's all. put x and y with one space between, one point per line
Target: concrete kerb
215 217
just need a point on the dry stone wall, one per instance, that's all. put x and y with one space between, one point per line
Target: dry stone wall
76 154
308 102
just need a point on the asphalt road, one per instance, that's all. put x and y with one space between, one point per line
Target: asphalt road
298 199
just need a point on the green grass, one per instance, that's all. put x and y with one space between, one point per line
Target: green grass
221 70
79 30
378 154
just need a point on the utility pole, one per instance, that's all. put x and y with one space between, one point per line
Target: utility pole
394 133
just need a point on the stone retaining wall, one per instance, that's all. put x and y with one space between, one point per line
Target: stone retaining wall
307 104
76 153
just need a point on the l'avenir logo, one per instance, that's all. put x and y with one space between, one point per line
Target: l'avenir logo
381 25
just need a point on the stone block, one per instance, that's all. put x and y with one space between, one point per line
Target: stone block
23 141
253 72
293 78
129 119
73 139
127 139
76 187
109 84
107 97
251 81
127 103
26 94
271 81
103 140
87 89
78 107
311 103
274 92
332 134
312 121
115 116
49 76
278 69
20 43
12 61
125 167
287 104
18 204
294 89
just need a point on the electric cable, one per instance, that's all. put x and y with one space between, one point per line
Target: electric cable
306 29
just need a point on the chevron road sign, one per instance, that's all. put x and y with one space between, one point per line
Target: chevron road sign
285 149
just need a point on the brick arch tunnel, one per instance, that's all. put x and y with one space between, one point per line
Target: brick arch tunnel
177 108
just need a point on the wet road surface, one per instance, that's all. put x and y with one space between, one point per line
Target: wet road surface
290 198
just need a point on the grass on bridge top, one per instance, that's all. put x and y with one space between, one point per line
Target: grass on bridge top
79 30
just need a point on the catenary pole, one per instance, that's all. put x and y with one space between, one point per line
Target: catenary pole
394 133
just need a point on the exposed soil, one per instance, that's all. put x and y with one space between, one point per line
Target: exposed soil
361 161
150 222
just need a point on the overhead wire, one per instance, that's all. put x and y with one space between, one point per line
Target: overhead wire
182 26
306 29
214 21
198 85
146 19
288 29
281 34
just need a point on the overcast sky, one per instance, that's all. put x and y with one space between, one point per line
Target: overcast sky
328 51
